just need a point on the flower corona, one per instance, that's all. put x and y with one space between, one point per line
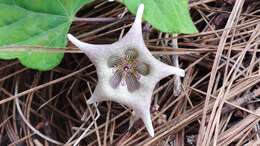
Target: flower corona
127 70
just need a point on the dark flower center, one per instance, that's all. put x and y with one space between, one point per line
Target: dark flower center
127 70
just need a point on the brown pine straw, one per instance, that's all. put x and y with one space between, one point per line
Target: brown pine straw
218 104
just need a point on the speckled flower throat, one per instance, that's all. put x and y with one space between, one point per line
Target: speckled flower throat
127 70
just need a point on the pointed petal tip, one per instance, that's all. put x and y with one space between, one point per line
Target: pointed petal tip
140 10
146 118
85 47
182 73
74 40
149 126
151 132
70 37
177 71
141 7
91 100
166 70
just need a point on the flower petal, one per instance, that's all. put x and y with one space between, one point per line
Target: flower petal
115 80
143 68
113 61
142 111
94 52
138 18
131 53
131 82
135 32
148 122
98 54
165 70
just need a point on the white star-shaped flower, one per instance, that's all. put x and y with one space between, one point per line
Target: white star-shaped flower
127 72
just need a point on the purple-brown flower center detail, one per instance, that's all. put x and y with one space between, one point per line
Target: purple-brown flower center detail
127 70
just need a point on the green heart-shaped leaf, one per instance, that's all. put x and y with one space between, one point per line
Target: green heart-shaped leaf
36 23
166 15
